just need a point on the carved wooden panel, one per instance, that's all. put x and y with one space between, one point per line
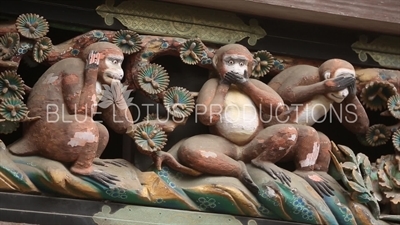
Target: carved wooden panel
378 16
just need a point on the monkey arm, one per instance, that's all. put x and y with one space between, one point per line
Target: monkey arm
87 101
117 117
210 101
263 96
71 90
302 88
352 115
293 92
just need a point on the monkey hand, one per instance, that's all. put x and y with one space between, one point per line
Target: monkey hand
235 78
339 83
352 90
93 60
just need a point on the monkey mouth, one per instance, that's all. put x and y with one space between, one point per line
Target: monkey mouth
114 76
337 98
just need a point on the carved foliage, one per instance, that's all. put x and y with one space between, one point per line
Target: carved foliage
354 171
385 50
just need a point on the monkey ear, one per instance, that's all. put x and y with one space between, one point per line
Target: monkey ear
255 63
327 75
215 61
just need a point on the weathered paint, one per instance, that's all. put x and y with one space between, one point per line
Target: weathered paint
292 137
311 158
207 154
239 120
81 138
50 78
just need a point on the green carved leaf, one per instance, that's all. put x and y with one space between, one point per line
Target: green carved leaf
357 177
356 187
348 152
337 154
365 164
368 183
349 166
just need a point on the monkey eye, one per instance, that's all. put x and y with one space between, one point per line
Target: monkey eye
230 62
115 61
241 63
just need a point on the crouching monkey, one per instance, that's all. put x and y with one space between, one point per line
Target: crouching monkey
66 99
232 106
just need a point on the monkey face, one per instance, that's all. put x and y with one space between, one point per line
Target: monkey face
110 68
236 63
339 96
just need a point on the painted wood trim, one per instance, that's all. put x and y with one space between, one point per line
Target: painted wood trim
381 16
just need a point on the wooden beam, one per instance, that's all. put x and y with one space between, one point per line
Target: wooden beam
381 16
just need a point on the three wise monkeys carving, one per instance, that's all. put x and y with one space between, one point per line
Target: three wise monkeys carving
238 135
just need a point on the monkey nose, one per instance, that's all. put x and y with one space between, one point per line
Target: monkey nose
121 76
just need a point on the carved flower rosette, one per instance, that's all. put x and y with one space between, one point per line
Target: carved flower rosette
8 45
13 109
376 94
32 26
11 85
191 51
387 170
42 49
129 41
264 62
153 79
178 102
149 138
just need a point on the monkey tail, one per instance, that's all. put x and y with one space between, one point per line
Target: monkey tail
159 157
23 147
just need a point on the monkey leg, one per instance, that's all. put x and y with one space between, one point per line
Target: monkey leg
103 139
307 148
72 139
324 156
312 153
93 139
215 155
270 146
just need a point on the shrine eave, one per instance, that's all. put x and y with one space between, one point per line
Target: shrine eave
370 15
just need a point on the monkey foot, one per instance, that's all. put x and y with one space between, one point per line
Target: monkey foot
274 173
104 163
320 185
159 157
104 178
246 179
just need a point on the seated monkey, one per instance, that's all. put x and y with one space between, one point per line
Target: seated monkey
313 92
66 99
232 106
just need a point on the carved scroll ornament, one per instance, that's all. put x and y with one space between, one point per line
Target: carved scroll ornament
160 18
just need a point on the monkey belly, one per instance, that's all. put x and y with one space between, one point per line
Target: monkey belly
239 120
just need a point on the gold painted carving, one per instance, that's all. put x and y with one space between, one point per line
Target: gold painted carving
166 19
385 50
